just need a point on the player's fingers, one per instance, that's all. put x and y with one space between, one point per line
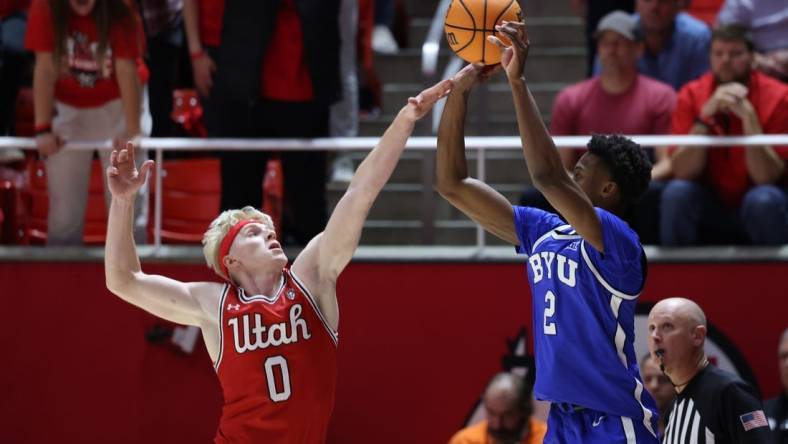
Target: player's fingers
123 156
112 171
130 149
113 157
145 169
444 88
496 41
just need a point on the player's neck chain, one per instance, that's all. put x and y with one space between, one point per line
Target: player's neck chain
700 367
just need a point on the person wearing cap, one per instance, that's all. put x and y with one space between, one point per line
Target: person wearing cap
675 43
271 329
711 405
734 194
619 100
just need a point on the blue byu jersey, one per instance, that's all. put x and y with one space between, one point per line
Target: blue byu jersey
584 313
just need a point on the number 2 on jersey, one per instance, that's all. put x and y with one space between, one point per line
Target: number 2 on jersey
549 312
271 363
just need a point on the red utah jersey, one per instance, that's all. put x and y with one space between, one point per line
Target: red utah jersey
277 367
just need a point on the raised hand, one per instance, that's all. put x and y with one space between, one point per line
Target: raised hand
123 178
513 56
471 75
420 105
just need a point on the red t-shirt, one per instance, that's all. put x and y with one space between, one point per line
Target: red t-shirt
81 82
285 75
726 168
586 108
277 367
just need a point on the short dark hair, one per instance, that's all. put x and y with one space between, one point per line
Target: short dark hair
733 33
627 163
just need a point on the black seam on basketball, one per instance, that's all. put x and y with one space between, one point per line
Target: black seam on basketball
484 34
502 13
473 22
463 28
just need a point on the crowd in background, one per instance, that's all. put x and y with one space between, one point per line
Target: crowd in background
107 69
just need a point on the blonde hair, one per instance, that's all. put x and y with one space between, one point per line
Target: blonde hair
218 229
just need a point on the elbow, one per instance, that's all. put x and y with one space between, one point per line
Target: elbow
447 187
118 285
548 178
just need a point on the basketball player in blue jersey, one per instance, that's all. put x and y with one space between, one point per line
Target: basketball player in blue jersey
585 265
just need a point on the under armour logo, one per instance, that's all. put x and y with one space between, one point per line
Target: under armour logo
291 294
598 421
235 307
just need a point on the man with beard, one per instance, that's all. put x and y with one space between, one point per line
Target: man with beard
730 194
507 404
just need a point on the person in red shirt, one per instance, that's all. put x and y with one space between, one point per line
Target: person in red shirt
725 195
271 331
86 88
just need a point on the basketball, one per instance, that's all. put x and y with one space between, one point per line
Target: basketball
469 22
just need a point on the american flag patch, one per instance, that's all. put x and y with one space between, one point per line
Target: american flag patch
753 420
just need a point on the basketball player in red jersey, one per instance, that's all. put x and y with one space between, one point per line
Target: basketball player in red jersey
271 330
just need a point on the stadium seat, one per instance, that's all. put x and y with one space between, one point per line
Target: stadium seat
191 193
95 213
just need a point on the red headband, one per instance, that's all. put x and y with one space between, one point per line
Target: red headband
227 242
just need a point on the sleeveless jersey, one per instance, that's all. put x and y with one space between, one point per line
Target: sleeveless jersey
276 365
584 314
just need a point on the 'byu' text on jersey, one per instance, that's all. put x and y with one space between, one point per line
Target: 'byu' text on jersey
584 314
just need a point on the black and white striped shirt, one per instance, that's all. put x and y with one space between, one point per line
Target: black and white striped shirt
716 408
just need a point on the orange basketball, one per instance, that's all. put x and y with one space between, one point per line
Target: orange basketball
469 22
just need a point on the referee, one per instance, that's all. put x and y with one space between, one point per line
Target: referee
712 406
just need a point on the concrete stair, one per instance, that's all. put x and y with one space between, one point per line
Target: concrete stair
556 59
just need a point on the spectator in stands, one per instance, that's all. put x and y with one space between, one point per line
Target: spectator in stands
768 22
15 62
163 20
725 195
777 408
273 72
721 407
676 44
622 101
592 12
508 407
659 386
86 87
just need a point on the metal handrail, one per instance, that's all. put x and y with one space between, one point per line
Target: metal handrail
432 43
424 144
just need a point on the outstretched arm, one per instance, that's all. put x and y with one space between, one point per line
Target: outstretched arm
167 298
541 155
329 252
473 197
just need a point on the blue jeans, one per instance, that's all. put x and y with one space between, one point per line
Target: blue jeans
692 213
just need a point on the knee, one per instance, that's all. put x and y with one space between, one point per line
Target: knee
763 201
678 195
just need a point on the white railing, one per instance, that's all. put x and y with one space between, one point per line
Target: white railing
424 144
